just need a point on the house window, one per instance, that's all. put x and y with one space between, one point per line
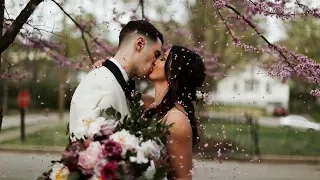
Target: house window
235 87
268 88
251 85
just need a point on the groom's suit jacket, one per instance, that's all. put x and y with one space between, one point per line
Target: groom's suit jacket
99 90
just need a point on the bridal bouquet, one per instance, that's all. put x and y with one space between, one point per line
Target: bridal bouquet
106 148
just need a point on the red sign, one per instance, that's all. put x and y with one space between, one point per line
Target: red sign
24 99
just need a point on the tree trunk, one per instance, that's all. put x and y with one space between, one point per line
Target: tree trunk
5 97
2 3
16 26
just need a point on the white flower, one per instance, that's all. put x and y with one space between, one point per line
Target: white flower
94 178
141 158
88 126
141 103
150 171
151 148
59 172
80 133
148 148
126 140
199 95
95 126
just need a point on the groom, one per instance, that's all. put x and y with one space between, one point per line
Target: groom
140 44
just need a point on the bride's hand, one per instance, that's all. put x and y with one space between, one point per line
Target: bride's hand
99 63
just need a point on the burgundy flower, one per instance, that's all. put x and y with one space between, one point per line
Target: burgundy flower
108 172
112 150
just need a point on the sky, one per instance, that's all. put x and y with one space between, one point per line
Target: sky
49 16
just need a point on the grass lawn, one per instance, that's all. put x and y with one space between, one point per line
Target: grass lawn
271 140
236 109
51 136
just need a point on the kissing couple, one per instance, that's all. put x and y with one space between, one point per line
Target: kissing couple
175 74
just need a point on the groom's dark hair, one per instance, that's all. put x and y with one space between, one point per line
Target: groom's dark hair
141 27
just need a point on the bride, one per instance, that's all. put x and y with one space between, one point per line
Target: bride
176 76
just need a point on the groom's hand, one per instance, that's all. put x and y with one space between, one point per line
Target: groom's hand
99 63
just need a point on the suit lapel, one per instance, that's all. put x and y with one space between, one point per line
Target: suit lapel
118 75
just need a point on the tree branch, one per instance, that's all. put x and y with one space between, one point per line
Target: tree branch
142 8
272 46
7 62
14 29
87 47
83 31
38 29
253 27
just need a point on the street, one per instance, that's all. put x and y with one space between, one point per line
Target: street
16 166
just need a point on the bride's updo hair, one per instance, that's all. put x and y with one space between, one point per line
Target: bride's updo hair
185 72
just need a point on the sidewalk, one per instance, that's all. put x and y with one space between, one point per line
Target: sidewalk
33 123
272 159
13 134
31 119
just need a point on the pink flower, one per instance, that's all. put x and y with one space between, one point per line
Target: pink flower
97 170
70 155
109 171
109 127
112 150
90 157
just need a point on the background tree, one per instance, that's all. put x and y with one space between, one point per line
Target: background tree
302 36
234 15
207 29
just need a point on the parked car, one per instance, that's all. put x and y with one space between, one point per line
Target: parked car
299 122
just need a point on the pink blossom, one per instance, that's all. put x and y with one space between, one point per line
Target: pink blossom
220 3
90 157
315 92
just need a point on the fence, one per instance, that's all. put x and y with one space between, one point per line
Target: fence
243 135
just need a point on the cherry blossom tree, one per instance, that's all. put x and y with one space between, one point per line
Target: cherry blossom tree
286 63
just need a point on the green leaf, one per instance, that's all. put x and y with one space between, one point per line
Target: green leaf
74 176
137 98
160 173
118 115
110 111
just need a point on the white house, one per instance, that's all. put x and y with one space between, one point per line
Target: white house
252 86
